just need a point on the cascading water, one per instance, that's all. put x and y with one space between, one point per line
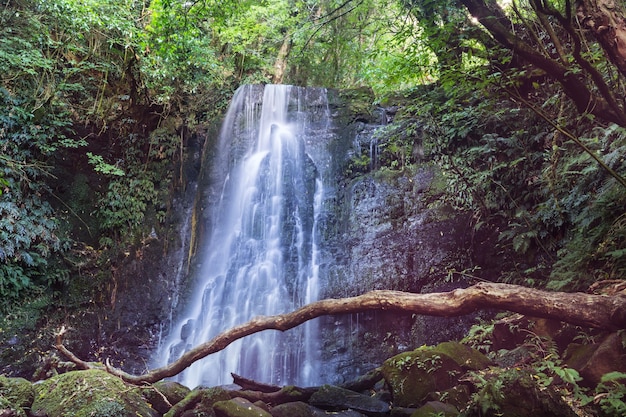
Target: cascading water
262 255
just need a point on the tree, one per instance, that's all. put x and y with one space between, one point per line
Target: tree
563 52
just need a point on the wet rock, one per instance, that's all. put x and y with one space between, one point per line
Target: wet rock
402 411
345 413
91 393
295 409
300 409
437 408
239 407
334 398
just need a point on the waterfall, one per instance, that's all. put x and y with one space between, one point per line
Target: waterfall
261 256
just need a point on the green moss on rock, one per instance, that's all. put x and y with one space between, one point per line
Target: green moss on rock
436 408
412 376
16 395
17 391
199 402
163 395
515 393
294 409
91 393
239 407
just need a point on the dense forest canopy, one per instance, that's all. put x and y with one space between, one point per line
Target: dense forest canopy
520 103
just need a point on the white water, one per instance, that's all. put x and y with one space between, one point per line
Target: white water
262 254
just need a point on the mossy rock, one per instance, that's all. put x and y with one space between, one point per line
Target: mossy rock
358 103
436 408
91 393
163 395
239 407
294 409
515 393
467 358
199 402
16 393
412 376
329 397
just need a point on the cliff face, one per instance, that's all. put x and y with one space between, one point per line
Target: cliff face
385 228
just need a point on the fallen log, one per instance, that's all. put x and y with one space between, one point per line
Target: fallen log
587 310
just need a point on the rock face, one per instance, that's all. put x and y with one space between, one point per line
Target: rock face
384 229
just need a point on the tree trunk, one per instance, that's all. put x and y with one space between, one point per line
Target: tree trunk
588 310
606 20
574 86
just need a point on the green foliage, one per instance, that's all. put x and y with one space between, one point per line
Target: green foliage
28 224
100 165
610 394
399 144
479 336
558 210
123 207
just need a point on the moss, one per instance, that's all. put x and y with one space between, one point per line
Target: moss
163 394
435 408
16 394
514 393
294 409
201 401
239 407
466 357
358 103
412 376
91 393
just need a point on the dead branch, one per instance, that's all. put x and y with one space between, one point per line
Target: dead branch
80 364
250 384
588 310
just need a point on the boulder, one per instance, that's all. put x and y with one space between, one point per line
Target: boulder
163 395
199 402
301 409
515 393
413 376
436 408
92 393
294 409
333 398
593 361
16 395
238 407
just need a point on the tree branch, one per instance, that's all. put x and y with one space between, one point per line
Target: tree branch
588 310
